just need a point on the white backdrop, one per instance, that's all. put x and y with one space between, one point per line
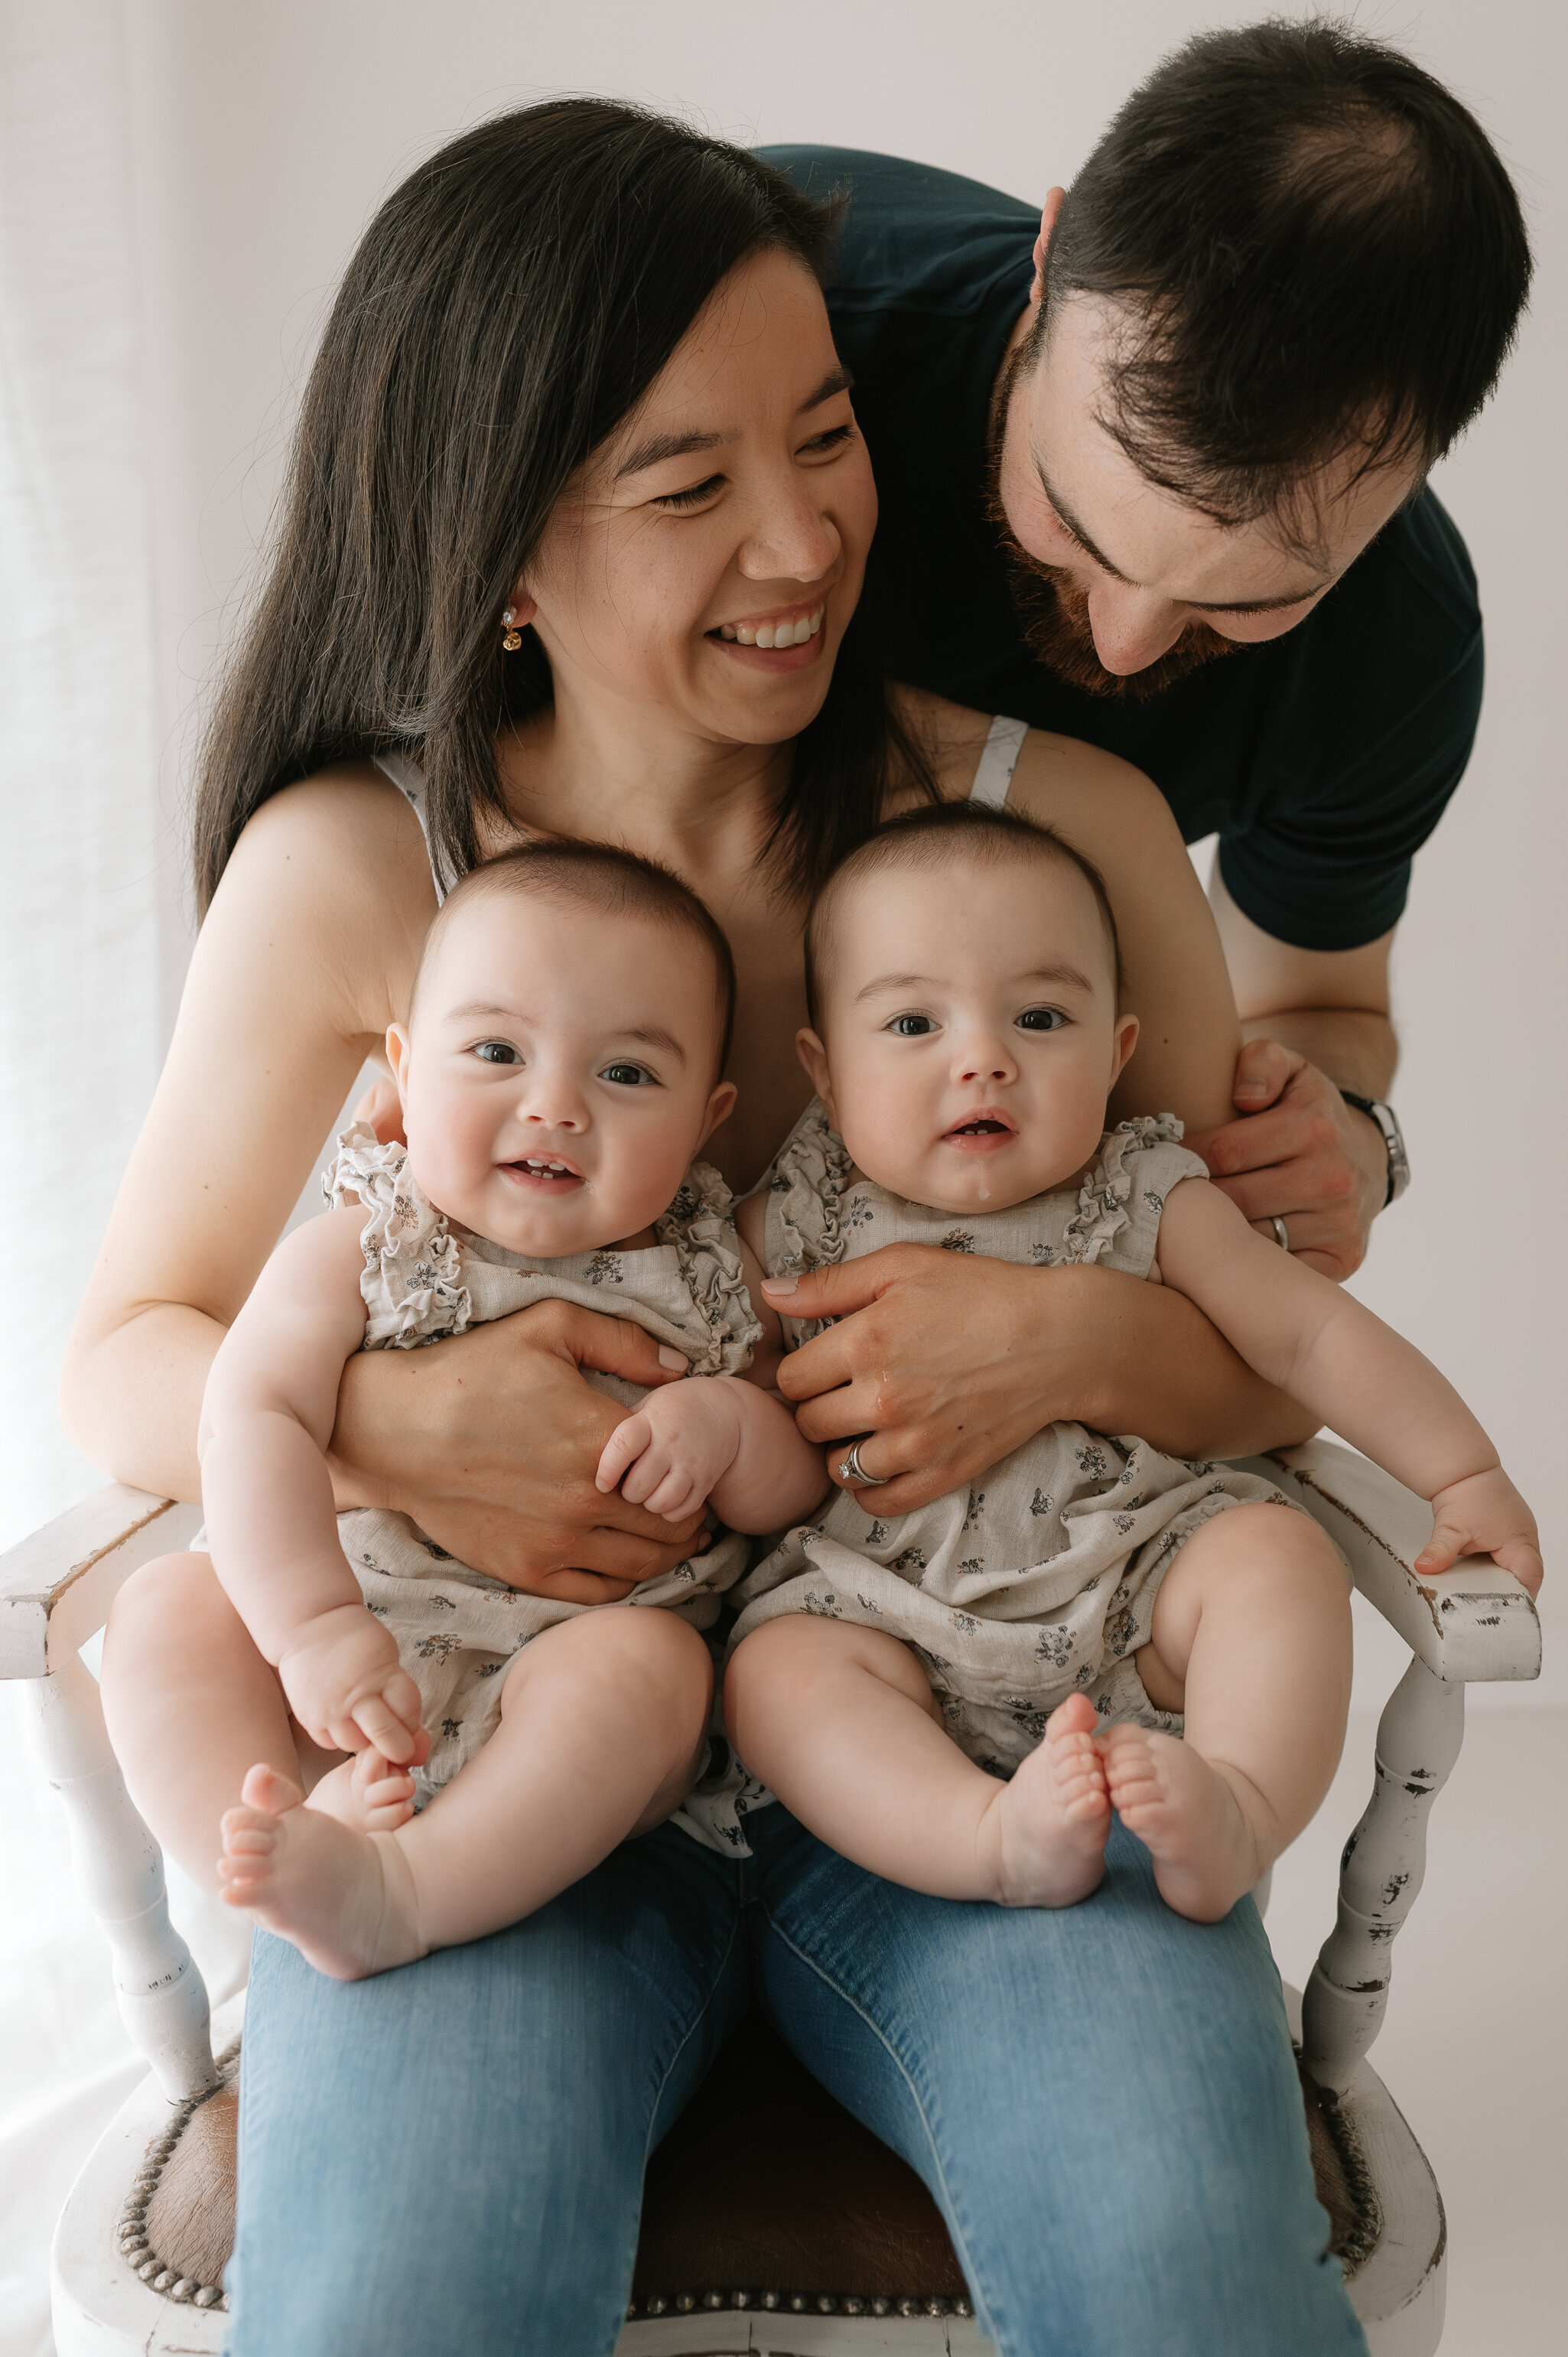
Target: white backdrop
180 184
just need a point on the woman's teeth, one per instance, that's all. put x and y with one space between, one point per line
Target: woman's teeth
774 634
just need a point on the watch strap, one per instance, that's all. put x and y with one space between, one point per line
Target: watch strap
1393 1141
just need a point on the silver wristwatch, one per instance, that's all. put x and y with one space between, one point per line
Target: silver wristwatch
1393 1140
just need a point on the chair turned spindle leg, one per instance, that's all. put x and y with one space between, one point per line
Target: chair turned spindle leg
1418 1737
118 1869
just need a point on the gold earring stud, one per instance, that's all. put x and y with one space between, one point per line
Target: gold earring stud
512 637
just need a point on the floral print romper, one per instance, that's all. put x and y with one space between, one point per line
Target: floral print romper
1038 1581
458 1631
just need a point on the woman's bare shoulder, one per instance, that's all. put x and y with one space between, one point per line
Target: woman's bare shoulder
348 825
331 876
1055 772
948 737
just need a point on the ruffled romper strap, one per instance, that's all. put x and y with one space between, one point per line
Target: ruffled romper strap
1117 1222
412 1283
700 1227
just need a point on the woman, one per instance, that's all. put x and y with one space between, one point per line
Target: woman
575 542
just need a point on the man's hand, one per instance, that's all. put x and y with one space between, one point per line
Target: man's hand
491 1442
341 1676
1302 1154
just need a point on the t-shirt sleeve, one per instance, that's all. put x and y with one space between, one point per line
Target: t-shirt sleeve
1365 738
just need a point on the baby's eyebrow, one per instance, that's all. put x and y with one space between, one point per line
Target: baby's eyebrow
653 1037
1058 970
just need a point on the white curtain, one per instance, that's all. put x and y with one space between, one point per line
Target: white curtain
81 843
82 834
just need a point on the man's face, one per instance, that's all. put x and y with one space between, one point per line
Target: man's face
1123 586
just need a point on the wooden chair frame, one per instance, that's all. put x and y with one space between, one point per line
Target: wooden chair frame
111 2295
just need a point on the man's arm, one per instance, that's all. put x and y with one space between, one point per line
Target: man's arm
1316 1022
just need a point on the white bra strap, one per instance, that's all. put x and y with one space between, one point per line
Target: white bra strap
998 758
407 775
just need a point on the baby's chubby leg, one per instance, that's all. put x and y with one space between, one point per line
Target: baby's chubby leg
191 1705
1251 1636
603 1721
841 1722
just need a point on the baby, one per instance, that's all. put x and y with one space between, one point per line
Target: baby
558 1071
888 1670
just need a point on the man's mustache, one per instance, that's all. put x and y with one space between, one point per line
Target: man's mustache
1053 612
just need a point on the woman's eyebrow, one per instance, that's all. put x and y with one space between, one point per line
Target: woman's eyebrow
659 446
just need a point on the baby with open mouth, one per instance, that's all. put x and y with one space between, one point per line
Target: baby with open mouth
958 1698
559 1070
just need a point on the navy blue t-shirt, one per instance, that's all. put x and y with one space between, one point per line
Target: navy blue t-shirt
1323 759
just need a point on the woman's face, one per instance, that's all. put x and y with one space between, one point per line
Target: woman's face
708 557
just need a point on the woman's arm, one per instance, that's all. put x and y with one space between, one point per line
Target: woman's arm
950 1367
307 953
1176 982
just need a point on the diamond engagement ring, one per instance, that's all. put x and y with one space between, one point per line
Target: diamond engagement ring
1281 1233
851 1469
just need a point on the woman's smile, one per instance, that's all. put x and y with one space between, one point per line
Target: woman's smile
786 640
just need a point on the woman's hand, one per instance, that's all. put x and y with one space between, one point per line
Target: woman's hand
950 1361
490 1443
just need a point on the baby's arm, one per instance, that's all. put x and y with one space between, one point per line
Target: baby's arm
1322 1346
266 1422
727 1439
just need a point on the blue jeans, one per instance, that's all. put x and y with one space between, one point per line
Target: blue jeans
1103 2100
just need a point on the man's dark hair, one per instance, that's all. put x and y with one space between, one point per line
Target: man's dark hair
614 881
944 834
1318 250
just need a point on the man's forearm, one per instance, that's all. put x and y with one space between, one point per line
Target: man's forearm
1356 1047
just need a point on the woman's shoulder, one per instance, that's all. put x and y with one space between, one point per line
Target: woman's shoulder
343 826
329 878
1050 772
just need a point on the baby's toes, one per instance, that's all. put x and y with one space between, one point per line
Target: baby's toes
264 1789
247 1833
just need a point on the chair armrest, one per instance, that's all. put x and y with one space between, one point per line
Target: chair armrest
55 1585
1469 1625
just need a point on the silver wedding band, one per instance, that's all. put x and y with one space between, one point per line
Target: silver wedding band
1281 1233
851 1469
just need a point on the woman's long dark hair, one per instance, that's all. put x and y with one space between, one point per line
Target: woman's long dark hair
509 306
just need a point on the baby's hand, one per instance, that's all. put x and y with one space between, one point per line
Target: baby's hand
341 1676
1485 1515
677 1444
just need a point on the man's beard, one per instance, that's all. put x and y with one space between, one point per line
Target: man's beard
1053 609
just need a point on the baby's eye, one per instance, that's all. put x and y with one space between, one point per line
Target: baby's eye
1041 1019
911 1027
628 1076
496 1051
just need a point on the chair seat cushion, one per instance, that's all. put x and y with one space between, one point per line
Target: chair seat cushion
817 2205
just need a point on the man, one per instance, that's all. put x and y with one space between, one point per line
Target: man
1168 497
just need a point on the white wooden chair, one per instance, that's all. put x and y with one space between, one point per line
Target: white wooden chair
118 2284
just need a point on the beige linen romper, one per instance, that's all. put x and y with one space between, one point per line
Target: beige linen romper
1039 1580
458 1631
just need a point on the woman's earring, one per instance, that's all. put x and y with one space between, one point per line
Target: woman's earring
512 637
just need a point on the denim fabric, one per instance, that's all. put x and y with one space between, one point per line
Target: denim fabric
1102 2100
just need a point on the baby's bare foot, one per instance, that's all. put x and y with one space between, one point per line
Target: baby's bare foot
1189 1815
345 1898
1055 1814
368 1793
